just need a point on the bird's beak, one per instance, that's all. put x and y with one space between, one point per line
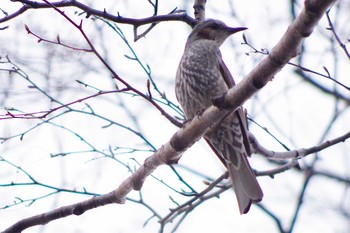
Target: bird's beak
234 30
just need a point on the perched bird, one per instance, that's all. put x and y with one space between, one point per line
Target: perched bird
201 76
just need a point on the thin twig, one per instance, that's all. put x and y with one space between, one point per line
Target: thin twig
332 29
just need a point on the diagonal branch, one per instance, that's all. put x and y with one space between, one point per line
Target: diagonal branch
341 44
287 48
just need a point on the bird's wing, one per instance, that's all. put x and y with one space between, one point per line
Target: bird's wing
230 82
225 73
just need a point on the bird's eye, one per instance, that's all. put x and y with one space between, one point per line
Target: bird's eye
215 26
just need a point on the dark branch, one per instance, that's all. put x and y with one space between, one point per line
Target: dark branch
103 14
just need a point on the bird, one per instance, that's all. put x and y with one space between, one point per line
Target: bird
203 76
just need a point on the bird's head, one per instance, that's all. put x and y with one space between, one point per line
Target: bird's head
213 30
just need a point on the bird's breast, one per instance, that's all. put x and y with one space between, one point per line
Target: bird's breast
198 78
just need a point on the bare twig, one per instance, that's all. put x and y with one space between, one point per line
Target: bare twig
329 91
295 154
272 172
189 205
331 27
116 196
273 216
57 42
300 201
110 69
301 71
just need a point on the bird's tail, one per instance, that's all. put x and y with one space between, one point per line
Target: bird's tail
245 184
227 141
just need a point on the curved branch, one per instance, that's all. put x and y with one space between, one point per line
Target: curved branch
295 154
173 16
191 204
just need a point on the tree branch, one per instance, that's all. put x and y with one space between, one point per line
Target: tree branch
341 44
28 5
295 154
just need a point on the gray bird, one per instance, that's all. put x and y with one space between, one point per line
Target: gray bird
201 76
